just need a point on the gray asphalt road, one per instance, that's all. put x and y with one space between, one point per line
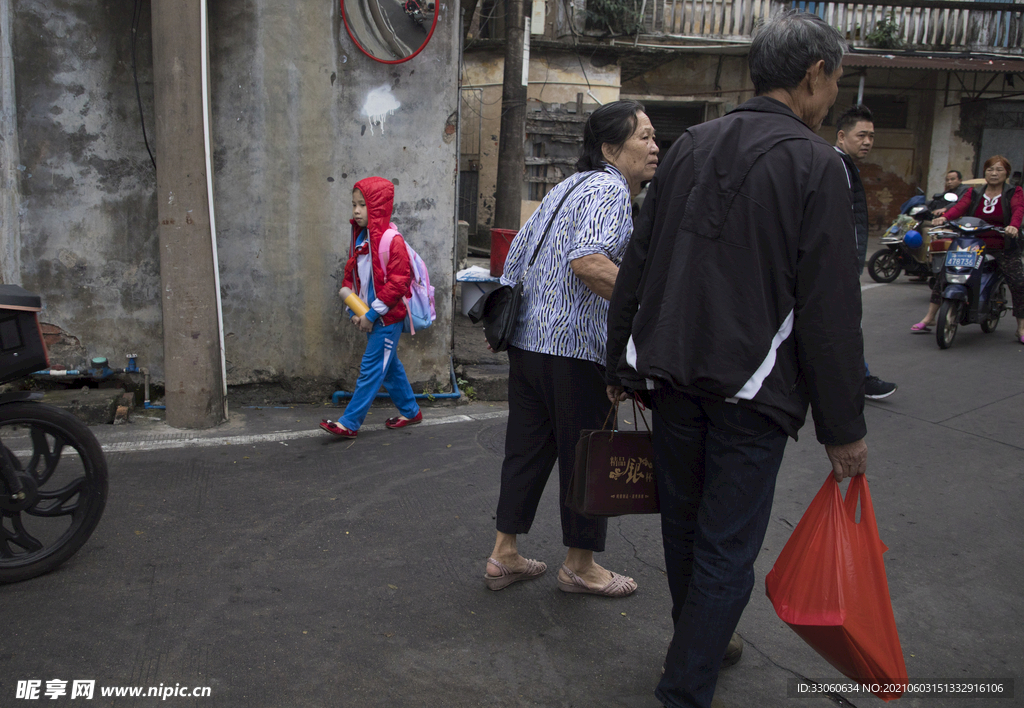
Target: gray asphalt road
280 568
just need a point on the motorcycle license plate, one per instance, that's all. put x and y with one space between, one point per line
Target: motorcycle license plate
960 259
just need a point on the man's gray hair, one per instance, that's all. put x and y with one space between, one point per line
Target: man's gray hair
787 45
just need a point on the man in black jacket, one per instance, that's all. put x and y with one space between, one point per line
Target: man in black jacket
855 134
953 185
736 306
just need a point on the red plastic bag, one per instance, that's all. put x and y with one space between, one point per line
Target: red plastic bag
829 586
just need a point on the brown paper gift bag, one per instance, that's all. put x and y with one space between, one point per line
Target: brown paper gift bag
614 472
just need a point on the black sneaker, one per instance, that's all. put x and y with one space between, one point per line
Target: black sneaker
875 388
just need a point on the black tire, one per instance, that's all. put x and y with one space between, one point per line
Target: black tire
64 493
884 266
998 305
947 322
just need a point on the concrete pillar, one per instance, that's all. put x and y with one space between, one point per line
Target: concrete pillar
10 183
512 138
942 132
191 321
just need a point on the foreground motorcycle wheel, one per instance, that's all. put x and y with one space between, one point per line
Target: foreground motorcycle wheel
884 266
947 323
63 476
998 300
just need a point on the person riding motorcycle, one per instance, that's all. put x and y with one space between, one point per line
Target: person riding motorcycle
936 207
905 245
997 204
954 185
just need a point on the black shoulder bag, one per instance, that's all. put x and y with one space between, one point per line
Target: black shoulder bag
499 311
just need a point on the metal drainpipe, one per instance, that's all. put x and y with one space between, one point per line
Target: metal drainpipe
458 178
207 140
145 403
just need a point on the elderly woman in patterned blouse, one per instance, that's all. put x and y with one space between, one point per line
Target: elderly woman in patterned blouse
556 376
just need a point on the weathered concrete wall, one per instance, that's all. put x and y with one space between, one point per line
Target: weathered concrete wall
557 78
949 152
985 128
290 138
1003 133
722 81
87 231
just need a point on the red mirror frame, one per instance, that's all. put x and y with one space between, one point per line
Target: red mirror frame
355 41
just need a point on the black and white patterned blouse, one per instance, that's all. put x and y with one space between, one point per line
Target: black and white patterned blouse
560 315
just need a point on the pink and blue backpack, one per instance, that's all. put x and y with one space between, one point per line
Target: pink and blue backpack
420 301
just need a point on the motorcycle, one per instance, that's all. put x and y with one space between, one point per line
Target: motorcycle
53 476
976 291
416 15
902 242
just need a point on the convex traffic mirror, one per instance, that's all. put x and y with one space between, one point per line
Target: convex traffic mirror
390 31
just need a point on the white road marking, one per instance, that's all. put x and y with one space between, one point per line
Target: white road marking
181 443
870 285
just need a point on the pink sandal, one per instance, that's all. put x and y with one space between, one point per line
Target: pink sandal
618 586
921 328
534 569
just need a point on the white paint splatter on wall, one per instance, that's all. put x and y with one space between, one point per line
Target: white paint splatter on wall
380 103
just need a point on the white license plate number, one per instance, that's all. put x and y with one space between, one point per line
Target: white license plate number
960 259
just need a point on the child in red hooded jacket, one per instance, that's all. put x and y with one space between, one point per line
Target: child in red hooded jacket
382 286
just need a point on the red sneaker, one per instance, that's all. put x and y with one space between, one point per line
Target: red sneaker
400 422
337 429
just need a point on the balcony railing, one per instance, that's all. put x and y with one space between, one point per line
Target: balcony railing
724 19
937 25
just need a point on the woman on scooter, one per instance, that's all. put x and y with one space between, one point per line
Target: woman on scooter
998 204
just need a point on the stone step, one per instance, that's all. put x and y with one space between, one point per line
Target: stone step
489 381
93 406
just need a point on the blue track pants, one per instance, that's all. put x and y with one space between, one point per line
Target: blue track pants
380 366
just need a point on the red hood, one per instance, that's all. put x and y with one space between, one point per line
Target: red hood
391 287
379 194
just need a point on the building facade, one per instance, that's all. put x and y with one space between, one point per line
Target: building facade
945 80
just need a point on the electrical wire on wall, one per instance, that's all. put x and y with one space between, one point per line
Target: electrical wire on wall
136 16
484 22
490 15
462 61
570 11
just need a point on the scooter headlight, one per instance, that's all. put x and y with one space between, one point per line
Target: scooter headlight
958 278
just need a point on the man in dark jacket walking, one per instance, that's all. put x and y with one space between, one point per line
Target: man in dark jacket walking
855 135
736 306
